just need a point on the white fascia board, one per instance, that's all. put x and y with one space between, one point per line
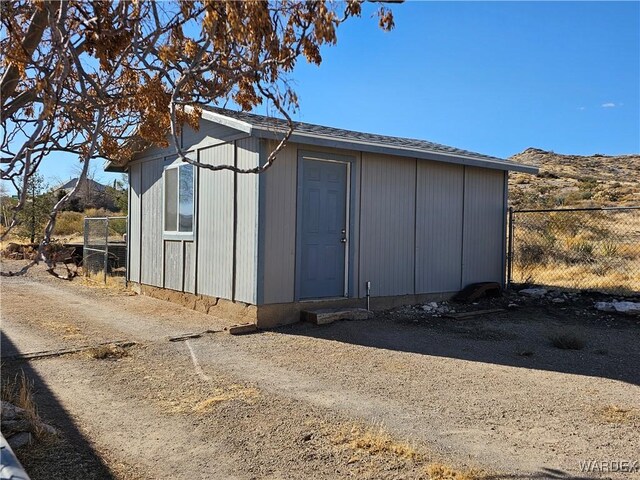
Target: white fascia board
223 120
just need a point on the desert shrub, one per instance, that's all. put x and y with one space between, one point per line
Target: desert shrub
69 223
609 249
531 254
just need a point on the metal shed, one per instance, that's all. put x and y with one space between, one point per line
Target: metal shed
338 209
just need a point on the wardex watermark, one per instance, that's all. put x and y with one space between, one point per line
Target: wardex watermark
609 466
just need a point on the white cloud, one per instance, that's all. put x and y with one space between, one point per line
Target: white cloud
581 108
608 105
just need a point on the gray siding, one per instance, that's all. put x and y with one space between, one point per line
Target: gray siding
247 222
189 279
484 219
407 210
209 133
133 235
215 224
205 265
387 224
173 264
151 225
439 197
419 226
279 217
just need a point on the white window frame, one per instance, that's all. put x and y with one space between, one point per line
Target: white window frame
176 234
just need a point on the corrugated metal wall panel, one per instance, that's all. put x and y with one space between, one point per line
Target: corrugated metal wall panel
189 267
209 133
279 217
387 224
439 202
173 265
483 226
247 226
215 224
151 216
133 234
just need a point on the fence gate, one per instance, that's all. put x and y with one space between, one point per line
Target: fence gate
579 248
105 246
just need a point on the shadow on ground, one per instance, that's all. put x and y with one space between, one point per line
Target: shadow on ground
520 339
72 457
543 474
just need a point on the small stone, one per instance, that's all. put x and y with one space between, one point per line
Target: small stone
10 427
533 292
48 428
557 300
10 411
628 308
605 306
307 436
19 440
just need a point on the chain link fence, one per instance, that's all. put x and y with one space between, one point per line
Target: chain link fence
583 249
105 246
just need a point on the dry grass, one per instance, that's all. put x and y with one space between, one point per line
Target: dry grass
232 392
617 414
377 442
374 441
19 392
107 352
579 277
97 280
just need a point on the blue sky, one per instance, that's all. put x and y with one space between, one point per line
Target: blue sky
492 77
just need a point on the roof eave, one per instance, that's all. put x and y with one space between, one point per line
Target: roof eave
226 121
332 142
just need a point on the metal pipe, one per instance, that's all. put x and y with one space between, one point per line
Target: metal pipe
368 285
106 249
590 209
510 249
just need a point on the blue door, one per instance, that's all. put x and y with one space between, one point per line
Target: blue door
323 229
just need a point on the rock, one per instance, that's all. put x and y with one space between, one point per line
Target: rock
10 427
628 308
557 300
48 428
605 306
10 411
426 308
242 329
533 292
20 440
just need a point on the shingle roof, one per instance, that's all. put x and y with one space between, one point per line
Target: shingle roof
406 145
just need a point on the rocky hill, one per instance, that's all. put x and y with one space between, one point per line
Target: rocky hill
575 180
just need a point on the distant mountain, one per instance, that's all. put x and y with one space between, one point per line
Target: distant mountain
575 180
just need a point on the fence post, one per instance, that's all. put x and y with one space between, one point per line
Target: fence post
510 250
85 246
106 248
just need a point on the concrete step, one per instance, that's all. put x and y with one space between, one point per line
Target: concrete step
330 315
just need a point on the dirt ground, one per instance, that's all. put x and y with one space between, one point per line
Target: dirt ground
392 397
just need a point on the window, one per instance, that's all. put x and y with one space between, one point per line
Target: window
178 199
